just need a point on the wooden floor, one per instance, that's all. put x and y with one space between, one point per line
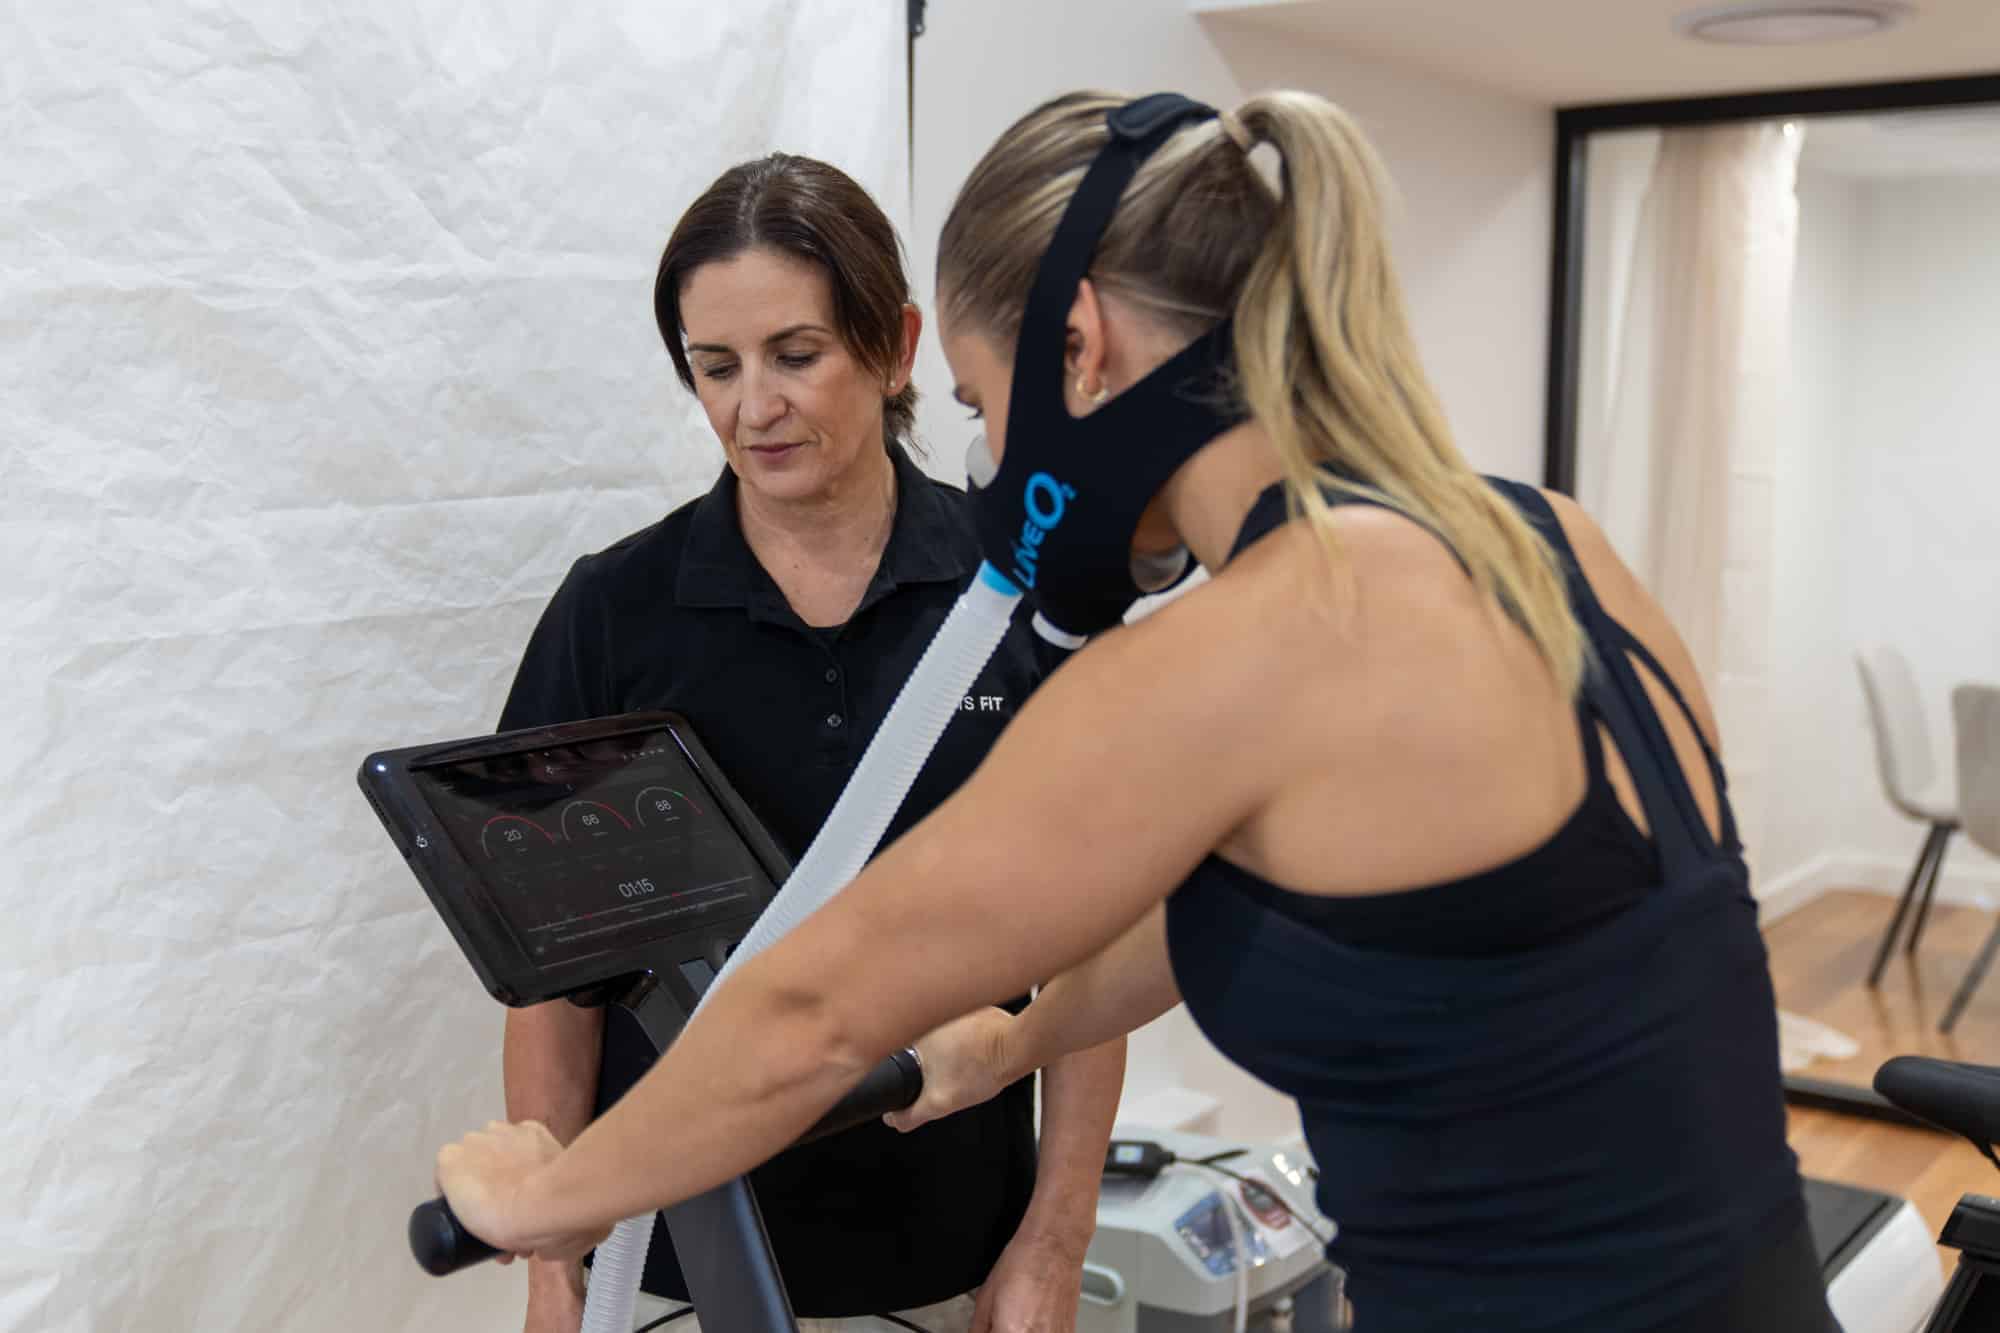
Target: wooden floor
1820 956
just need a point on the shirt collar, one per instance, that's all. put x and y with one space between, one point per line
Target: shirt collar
927 544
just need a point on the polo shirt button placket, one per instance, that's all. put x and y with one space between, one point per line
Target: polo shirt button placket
835 719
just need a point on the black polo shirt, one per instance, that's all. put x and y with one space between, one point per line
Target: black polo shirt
681 616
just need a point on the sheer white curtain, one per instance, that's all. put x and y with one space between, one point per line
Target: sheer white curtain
1683 402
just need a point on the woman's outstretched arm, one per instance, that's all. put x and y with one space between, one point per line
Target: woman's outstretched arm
1123 771
1118 990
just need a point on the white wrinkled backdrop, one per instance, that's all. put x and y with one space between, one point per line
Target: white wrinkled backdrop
326 344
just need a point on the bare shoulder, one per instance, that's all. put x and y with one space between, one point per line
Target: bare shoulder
1396 691
1622 595
1611 580
1246 626
1217 677
1577 524
1307 646
1296 646
1220 645
1608 575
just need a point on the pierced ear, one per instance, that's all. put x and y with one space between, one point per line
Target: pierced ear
1085 327
1072 347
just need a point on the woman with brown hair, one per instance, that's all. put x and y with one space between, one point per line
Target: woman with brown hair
780 614
1418 802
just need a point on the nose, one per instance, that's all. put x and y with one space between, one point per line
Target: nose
763 406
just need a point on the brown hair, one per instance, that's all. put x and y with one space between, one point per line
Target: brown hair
1325 362
811 211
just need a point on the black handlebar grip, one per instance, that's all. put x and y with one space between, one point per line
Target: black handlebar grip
443 1245
1951 1094
441 1242
890 1086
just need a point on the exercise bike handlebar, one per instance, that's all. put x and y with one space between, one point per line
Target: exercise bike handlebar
442 1244
1951 1094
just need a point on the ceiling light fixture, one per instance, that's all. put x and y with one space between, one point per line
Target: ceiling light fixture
1788 24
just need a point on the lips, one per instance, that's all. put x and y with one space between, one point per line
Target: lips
773 452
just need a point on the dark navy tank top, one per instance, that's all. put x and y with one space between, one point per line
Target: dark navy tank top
1545 1097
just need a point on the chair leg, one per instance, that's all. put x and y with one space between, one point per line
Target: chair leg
1973 976
1930 888
1902 907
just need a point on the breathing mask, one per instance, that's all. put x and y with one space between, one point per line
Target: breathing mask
1056 517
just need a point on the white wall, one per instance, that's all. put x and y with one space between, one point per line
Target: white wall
1923 523
1886 527
1815 712
1471 229
1471 232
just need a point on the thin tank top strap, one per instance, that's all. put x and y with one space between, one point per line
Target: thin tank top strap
1594 768
1615 691
1272 509
1637 648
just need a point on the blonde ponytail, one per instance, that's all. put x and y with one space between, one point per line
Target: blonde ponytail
1324 357
1326 365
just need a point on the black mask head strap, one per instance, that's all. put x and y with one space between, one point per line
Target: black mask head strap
1059 515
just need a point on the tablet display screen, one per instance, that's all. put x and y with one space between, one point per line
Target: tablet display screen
597 846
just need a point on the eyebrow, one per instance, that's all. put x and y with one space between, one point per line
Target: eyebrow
788 332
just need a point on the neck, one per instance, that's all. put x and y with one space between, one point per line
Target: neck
1208 498
844 527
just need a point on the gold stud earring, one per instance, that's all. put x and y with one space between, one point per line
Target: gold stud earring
1094 399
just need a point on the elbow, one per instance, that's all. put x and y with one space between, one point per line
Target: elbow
807 1041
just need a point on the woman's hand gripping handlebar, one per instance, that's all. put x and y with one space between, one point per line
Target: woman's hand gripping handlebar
442 1244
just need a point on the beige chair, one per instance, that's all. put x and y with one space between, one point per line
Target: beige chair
1912 783
1975 711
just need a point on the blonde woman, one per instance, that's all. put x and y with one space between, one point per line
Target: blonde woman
1417 804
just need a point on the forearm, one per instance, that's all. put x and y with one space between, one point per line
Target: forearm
742 1081
1079 1103
1122 987
796 1027
549 1065
549 1062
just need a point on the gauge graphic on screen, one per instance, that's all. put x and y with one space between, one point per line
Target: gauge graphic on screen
661 805
588 821
513 835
